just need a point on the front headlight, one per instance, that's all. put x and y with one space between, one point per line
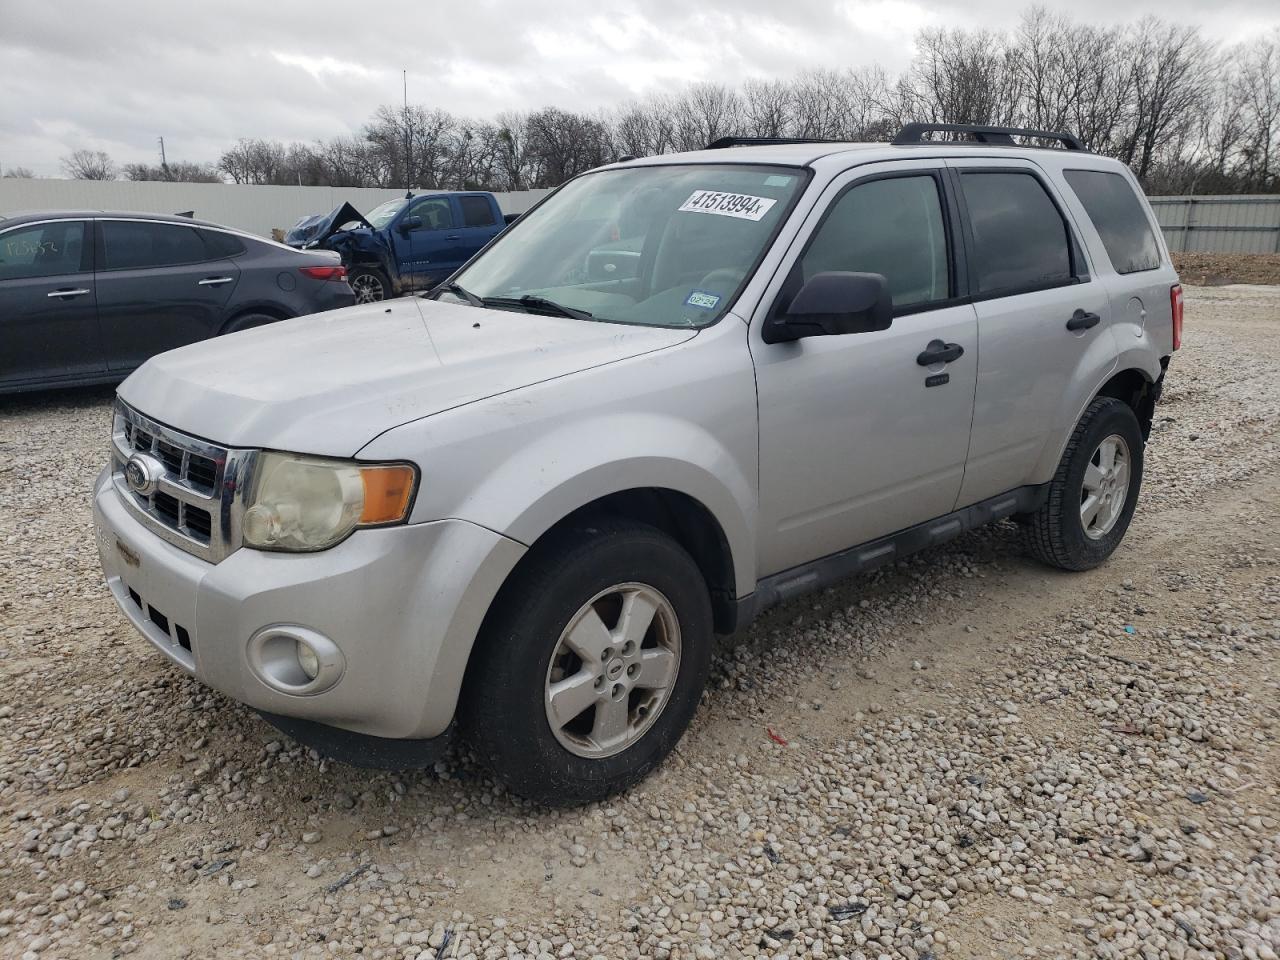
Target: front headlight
305 503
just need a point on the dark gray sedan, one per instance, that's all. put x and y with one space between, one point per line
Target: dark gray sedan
87 296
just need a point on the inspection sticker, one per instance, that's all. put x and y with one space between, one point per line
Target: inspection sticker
743 206
700 298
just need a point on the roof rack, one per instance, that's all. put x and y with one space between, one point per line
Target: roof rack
724 142
913 133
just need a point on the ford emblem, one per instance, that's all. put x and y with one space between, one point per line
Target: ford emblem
142 473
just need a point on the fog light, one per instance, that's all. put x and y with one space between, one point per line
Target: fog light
295 660
308 660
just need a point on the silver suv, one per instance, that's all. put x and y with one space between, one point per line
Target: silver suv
681 389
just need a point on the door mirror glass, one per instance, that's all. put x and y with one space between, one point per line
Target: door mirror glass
410 223
833 303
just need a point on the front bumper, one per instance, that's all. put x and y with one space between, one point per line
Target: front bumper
404 604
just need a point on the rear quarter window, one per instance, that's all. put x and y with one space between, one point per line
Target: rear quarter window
1118 216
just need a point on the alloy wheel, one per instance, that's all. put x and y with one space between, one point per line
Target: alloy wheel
367 288
1105 488
612 671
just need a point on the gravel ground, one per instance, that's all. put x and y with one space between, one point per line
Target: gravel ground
964 755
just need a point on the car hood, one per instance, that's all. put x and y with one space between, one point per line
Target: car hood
321 226
328 384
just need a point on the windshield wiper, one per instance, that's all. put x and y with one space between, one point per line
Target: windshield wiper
458 291
533 302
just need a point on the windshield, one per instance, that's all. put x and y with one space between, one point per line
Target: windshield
384 213
662 246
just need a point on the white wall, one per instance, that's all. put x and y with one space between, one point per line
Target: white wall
250 208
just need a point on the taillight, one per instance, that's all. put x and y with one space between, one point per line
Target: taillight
325 273
1175 307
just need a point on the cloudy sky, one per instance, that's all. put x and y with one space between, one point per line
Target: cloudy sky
116 75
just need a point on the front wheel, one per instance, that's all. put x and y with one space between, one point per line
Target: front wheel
369 284
591 665
1094 492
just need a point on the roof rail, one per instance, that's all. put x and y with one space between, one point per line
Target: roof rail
1000 136
724 142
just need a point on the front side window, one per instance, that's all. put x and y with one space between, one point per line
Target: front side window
477 212
42 250
137 244
893 227
1118 217
436 213
657 245
1021 242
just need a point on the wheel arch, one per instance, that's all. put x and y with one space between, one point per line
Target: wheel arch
272 310
683 518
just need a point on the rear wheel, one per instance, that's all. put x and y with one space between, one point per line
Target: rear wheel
369 284
591 664
1094 492
248 321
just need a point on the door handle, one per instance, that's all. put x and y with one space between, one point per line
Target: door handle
213 281
78 292
939 352
453 236
1082 320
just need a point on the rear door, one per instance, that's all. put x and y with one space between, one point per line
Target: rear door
479 223
48 311
159 287
1044 323
434 244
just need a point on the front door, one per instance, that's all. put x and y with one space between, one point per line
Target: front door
858 438
433 245
48 310
159 287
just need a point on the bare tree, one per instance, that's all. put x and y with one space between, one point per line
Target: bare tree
181 171
19 173
89 165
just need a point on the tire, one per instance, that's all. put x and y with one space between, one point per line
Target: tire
1057 533
369 284
248 321
507 707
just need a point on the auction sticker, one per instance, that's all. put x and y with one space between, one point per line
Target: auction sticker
742 206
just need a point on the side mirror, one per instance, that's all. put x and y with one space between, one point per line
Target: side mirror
834 303
410 223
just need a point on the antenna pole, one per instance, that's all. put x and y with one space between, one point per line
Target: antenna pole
408 143
164 163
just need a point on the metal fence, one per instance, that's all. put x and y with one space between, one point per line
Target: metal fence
251 208
1226 224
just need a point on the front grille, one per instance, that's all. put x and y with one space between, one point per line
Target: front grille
195 502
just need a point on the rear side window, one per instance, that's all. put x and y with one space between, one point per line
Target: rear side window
892 227
1118 217
42 250
134 244
1021 242
221 244
477 212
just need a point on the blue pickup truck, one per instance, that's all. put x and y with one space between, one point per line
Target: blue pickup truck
403 245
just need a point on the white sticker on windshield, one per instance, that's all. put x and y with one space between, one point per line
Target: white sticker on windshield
743 206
